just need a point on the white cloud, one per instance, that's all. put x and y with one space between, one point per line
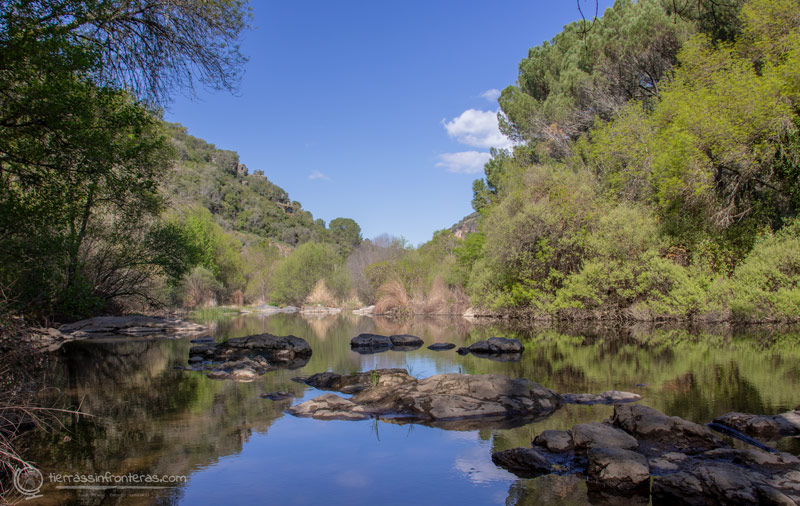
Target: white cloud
318 175
465 162
477 129
491 95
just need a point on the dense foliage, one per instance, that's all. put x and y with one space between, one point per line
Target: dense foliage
656 173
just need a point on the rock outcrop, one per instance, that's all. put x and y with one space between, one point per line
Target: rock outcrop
763 426
150 327
685 461
444 397
246 358
376 343
500 349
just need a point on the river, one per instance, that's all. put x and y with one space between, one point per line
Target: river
226 445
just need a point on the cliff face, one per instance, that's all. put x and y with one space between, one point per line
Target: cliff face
467 225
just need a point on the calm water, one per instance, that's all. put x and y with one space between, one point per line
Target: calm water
237 448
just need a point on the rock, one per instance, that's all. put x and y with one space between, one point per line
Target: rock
368 310
667 462
370 343
203 340
276 396
131 326
586 436
670 432
497 345
329 407
245 358
526 462
499 349
320 309
765 426
713 483
617 470
609 397
441 346
554 441
455 397
405 342
353 383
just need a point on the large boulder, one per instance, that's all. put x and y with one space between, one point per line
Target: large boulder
405 342
586 436
453 397
764 426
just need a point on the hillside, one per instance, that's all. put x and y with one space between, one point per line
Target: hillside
239 200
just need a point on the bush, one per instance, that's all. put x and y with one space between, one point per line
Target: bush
295 276
766 285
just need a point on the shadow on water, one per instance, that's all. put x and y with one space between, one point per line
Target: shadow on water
152 419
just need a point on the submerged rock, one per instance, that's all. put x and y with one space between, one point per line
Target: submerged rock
766 426
609 397
444 397
276 396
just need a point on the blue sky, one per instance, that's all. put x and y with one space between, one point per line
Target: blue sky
378 111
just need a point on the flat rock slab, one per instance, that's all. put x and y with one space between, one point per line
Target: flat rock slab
608 397
586 436
441 346
445 397
131 326
356 382
764 426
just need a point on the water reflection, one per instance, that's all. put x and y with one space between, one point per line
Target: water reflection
239 448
